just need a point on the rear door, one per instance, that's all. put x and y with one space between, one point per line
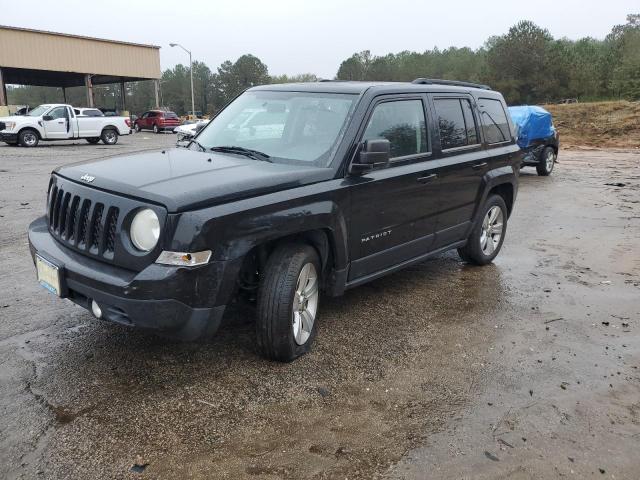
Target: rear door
394 208
58 127
463 163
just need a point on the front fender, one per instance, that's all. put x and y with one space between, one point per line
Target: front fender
231 230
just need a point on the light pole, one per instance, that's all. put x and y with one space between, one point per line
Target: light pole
193 103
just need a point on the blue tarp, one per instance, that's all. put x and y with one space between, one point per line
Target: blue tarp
534 123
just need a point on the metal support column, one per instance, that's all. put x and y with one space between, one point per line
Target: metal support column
3 91
64 94
123 96
89 88
156 89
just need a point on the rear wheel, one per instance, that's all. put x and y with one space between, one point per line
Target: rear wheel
485 241
28 138
547 161
155 128
93 140
137 128
109 136
287 305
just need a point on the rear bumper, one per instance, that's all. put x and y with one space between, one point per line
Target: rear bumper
165 299
8 137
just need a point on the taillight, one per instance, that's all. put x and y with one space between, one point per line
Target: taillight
128 122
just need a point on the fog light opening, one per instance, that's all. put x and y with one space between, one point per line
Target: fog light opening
95 309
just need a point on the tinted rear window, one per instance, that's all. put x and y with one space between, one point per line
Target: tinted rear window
456 123
494 119
170 115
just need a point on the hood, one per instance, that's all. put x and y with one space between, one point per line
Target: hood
182 179
19 119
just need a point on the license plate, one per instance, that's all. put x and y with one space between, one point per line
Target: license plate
48 275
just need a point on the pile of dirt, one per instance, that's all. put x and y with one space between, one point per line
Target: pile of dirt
598 124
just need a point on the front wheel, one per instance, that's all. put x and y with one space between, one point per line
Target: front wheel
137 128
109 137
28 138
547 161
287 305
485 241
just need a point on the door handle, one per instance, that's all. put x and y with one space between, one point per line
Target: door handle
428 178
61 123
478 166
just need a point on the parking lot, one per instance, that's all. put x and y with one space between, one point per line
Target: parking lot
527 368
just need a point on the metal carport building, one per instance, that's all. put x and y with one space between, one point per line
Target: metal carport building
35 57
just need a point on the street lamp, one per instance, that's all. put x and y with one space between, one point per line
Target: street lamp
193 103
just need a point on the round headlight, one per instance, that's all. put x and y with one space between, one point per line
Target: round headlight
145 230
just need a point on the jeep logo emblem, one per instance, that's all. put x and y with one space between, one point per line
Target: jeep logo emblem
87 178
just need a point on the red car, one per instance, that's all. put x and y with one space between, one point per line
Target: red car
157 120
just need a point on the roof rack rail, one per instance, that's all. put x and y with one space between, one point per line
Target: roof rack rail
437 81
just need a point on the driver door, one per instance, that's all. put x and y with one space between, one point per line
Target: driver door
58 126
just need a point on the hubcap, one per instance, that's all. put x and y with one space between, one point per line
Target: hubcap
110 136
305 303
492 228
29 139
551 157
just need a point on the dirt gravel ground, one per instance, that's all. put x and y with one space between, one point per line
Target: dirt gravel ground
527 368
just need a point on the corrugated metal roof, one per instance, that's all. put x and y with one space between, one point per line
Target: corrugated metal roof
56 52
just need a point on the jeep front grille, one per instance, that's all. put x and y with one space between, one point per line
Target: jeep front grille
81 223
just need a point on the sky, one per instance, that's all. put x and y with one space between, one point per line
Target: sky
300 36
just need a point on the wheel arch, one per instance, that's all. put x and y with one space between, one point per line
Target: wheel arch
30 127
321 239
506 191
110 127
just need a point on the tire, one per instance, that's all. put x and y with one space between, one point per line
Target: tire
155 128
137 128
547 161
109 136
28 138
481 248
286 323
93 140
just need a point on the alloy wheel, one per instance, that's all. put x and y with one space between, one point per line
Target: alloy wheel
492 230
305 303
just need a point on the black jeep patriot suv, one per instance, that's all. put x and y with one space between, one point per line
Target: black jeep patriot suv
292 192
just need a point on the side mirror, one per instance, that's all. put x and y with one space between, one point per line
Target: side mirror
47 118
373 153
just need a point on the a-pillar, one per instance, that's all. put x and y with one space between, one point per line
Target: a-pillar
89 88
3 91
156 89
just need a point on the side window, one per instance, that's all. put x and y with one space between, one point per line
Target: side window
145 115
58 112
76 111
495 124
93 113
456 123
403 123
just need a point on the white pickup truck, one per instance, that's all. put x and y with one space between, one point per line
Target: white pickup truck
62 122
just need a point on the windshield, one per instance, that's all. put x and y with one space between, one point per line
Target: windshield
36 112
289 127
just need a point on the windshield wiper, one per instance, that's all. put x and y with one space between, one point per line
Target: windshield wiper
247 152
